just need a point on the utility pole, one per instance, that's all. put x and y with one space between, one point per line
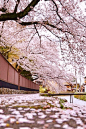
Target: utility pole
76 78
80 81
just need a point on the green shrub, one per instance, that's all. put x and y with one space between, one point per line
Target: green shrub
43 89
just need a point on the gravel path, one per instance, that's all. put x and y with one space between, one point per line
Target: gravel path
37 112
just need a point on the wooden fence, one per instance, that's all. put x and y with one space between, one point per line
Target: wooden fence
10 78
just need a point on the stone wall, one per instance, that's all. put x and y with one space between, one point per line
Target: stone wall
13 91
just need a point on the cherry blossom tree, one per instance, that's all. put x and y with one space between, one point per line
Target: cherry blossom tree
51 34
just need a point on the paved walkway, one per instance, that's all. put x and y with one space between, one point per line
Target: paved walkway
75 101
32 111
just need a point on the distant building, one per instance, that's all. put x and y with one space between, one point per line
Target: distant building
85 83
72 87
68 86
84 80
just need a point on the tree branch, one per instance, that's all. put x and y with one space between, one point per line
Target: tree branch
15 16
17 3
38 34
3 9
45 23
30 40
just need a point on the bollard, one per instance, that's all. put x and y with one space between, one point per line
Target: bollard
71 98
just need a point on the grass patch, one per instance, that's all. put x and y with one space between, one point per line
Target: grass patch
35 107
61 105
61 101
20 106
81 97
46 94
